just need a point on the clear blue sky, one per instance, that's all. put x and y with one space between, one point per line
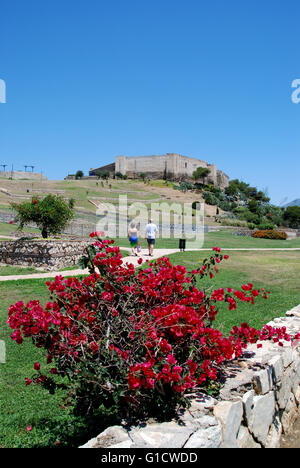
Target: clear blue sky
88 80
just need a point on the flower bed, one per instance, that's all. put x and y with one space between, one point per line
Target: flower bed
270 234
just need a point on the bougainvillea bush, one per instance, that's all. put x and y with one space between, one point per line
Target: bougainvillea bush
139 339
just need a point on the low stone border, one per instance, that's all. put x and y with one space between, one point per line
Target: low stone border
243 232
48 254
259 402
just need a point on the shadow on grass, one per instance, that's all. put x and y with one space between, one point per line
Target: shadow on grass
77 432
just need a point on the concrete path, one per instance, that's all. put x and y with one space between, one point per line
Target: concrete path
131 259
51 274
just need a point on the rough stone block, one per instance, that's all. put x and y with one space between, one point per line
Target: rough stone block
229 414
201 404
112 436
262 381
289 415
245 440
287 356
247 404
284 389
210 437
164 435
273 440
262 416
276 365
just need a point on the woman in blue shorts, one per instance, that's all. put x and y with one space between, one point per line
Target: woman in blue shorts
133 238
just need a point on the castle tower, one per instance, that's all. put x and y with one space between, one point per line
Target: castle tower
121 164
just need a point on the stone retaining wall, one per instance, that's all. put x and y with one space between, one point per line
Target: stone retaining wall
258 403
243 232
48 254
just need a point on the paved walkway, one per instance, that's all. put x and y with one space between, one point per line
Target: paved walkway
131 259
51 274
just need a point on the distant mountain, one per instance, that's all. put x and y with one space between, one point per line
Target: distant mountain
293 203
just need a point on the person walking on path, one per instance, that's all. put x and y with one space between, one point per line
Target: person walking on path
151 231
133 238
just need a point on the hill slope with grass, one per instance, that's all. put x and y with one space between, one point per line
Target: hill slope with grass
238 205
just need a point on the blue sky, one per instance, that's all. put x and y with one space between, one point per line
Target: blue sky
89 80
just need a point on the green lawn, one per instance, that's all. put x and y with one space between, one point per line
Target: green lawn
21 406
8 270
224 239
6 229
278 272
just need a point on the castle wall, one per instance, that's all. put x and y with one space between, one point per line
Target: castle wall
172 165
146 165
222 179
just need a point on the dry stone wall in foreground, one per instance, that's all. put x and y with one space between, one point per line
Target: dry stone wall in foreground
259 402
48 254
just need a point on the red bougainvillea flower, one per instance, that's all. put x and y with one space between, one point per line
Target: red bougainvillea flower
97 234
37 366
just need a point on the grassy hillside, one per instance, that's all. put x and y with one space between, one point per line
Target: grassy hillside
88 194
84 191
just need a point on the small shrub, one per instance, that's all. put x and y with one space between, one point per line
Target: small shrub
224 205
210 199
266 227
233 222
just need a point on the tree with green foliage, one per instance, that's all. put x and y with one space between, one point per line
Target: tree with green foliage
253 205
291 216
102 174
201 173
78 175
51 214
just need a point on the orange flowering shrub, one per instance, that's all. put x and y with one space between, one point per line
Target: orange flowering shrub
270 234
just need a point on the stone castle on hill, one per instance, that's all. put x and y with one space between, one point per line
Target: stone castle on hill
165 166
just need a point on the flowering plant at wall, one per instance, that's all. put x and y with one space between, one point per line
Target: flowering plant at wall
141 338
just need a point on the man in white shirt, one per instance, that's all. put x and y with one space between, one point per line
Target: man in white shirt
151 231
